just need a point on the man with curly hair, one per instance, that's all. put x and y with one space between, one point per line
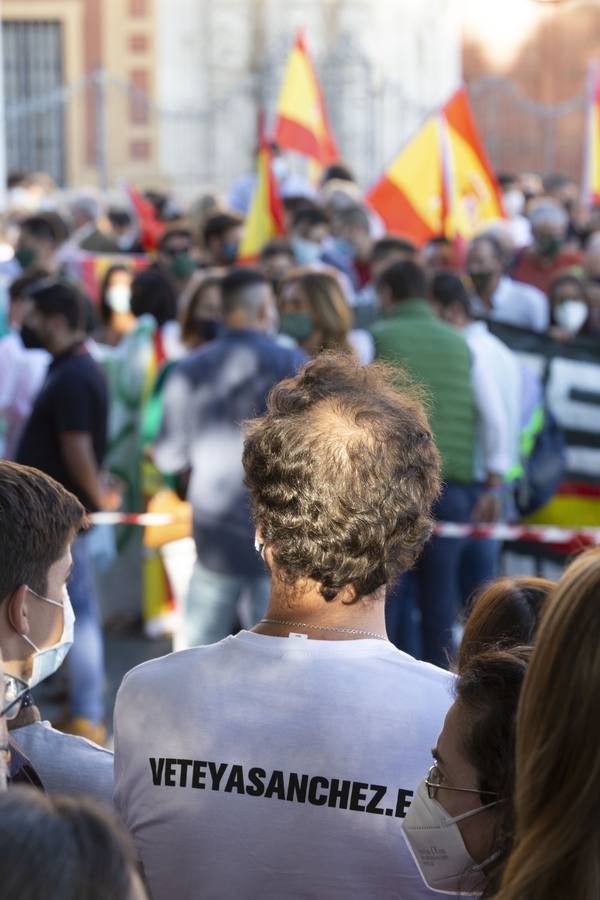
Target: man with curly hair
281 761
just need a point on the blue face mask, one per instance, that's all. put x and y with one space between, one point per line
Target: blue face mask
306 252
343 248
229 252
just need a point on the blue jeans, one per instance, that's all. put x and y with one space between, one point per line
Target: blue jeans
212 601
448 572
86 657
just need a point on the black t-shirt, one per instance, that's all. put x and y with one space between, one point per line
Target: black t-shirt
74 397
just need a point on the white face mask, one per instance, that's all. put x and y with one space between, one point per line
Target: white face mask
118 298
437 847
47 660
280 168
514 203
571 315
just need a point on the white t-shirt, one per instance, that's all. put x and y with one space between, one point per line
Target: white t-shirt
269 767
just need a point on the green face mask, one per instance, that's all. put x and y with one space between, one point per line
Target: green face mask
182 266
298 325
548 245
25 256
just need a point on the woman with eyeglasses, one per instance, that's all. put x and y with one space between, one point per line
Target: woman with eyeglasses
557 847
460 825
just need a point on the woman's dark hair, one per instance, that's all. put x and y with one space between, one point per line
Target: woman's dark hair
106 312
488 691
189 328
153 294
342 472
505 614
61 848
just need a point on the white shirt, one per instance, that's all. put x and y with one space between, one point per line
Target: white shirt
65 763
22 373
269 767
518 304
497 388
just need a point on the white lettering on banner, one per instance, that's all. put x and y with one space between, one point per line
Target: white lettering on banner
583 459
567 376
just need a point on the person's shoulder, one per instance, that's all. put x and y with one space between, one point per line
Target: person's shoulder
422 681
529 291
66 744
200 361
153 673
287 356
66 762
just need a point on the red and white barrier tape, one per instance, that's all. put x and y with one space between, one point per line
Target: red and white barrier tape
542 534
537 534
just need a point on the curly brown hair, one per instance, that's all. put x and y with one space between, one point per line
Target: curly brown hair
342 472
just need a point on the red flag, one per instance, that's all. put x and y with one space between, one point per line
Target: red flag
151 228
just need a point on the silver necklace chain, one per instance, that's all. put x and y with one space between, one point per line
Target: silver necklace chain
372 634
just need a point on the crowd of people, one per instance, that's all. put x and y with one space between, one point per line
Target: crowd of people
314 412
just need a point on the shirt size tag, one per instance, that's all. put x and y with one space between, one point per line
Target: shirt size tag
295 634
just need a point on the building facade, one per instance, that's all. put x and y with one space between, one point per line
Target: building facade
169 91
76 77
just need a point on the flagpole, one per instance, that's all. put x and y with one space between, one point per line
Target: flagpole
587 179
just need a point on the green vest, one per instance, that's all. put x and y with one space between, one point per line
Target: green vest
437 357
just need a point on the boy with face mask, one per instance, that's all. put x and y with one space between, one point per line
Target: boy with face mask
39 521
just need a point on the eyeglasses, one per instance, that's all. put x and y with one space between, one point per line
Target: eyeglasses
433 783
11 710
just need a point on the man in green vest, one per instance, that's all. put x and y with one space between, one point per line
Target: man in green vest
438 358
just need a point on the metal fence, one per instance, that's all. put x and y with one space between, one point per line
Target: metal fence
523 135
371 117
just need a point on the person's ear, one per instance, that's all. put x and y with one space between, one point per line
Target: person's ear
18 611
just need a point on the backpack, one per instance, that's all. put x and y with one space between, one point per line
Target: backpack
544 467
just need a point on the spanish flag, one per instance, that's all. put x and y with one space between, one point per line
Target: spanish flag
442 182
591 161
302 123
265 218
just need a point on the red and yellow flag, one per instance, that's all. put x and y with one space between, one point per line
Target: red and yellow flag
265 217
442 182
302 124
591 158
